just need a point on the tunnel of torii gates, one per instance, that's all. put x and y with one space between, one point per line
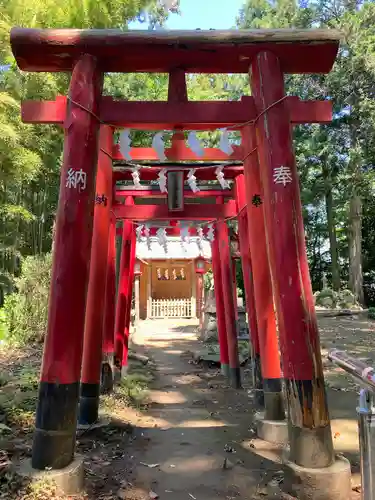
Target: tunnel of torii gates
82 332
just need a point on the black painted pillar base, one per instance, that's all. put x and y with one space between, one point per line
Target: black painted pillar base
235 377
89 404
258 382
273 399
310 435
224 369
55 426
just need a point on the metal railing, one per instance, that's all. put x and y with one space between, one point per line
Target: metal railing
365 376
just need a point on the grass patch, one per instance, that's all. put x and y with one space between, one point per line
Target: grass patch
18 397
132 391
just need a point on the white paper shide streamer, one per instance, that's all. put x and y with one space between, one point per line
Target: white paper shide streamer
125 143
159 146
162 180
161 235
136 177
138 231
221 178
225 145
194 144
147 234
192 181
200 237
184 232
211 233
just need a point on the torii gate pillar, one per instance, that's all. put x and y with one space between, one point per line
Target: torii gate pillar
124 294
310 434
248 280
56 418
95 307
107 375
229 305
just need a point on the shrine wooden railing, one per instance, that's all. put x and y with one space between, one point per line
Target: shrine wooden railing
171 308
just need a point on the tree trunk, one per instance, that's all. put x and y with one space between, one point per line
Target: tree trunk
355 247
335 268
331 226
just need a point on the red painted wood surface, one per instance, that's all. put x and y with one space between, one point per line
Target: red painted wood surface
177 88
161 212
202 174
219 299
268 342
193 115
227 282
248 277
110 293
72 246
124 274
302 51
299 338
129 296
235 296
210 154
93 338
150 193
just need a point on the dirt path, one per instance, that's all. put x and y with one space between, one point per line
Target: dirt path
194 424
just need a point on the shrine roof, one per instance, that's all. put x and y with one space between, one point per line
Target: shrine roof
300 51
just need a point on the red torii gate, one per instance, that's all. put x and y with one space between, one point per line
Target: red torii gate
270 200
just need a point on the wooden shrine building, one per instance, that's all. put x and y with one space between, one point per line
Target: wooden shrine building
168 280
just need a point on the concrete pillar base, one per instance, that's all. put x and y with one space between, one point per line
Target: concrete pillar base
69 480
328 483
272 431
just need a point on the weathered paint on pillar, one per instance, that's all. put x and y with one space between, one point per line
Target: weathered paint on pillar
219 299
93 336
310 430
229 307
56 418
137 297
248 279
122 295
109 315
119 225
264 304
234 276
129 297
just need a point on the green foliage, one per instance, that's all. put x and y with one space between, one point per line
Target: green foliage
371 312
132 390
30 155
26 310
3 326
19 390
335 161
239 280
208 280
